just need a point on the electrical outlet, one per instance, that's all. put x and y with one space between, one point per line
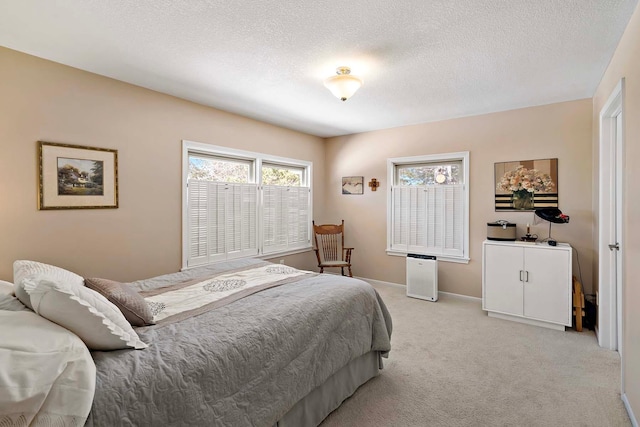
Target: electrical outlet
281 261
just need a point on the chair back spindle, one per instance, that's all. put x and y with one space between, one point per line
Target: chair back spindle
330 246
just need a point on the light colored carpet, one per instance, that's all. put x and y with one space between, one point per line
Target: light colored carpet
452 365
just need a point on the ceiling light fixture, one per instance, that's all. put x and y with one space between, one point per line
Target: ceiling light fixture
343 85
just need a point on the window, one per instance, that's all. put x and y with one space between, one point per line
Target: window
273 174
428 206
286 216
219 169
239 204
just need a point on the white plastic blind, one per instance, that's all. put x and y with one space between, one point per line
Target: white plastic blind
198 223
222 221
428 219
285 218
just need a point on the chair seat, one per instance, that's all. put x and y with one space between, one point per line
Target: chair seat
335 263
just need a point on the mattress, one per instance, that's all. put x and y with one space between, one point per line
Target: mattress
247 363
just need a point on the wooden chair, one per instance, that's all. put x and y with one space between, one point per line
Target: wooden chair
330 250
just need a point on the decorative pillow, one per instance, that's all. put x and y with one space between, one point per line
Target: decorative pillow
23 268
130 303
6 288
84 312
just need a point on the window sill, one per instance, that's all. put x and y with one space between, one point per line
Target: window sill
268 256
458 260
272 255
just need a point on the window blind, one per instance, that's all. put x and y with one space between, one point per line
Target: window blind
428 219
222 221
285 218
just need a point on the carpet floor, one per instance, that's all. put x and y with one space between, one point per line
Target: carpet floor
452 365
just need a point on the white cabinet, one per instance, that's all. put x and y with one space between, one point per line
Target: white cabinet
527 283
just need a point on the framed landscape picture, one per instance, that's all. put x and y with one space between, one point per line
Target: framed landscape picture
353 185
77 177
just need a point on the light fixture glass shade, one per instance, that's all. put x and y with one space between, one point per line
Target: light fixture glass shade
343 85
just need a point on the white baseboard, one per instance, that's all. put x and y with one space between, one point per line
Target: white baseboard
632 417
467 297
380 282
398 285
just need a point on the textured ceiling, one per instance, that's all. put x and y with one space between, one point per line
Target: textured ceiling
421 60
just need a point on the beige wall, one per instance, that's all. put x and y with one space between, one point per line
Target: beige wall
42 100
626 63
558 130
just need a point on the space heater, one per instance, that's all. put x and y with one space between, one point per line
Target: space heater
422 277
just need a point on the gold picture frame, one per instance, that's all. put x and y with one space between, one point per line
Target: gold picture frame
76 177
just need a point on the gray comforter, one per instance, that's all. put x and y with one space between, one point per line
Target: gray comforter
244 364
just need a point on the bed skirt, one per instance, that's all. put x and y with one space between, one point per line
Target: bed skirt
324 399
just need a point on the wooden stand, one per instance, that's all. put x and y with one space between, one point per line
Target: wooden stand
578 303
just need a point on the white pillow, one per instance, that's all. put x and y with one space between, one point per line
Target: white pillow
6 288
23 268
48 377
10 303
86 313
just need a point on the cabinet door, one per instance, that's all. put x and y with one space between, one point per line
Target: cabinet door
503 290
547 285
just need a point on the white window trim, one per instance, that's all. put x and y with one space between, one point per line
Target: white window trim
258 158
458 156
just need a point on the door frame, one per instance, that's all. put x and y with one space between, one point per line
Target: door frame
608 310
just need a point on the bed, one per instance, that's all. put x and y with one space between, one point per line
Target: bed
285 355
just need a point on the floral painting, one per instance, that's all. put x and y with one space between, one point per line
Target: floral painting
526 185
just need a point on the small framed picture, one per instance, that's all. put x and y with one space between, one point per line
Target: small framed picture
353 185
77 177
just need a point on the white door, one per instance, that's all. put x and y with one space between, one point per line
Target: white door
617 227
611 233
503 271
546 294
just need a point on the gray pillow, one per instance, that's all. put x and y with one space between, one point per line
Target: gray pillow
86 313
131 304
